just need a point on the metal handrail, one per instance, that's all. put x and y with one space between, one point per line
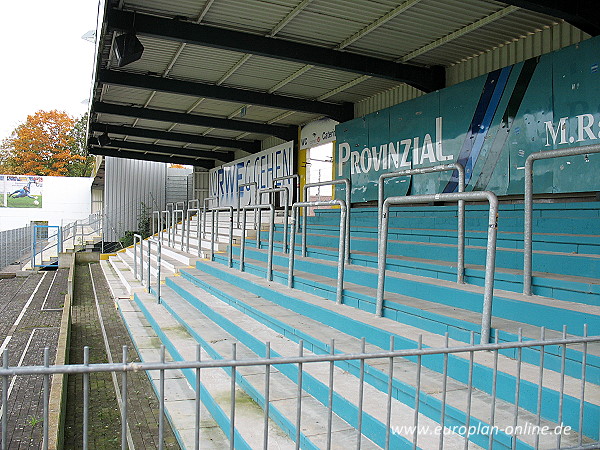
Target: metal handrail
182 203
137 237
193 204
158 264
460 269
188 218
158 222
58 244
204 209
346 183
171 204
296 179
167 216
528 203
243 185
177 212
256 208
341 249
490 262
215 231
286 196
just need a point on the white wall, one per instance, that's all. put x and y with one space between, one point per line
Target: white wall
65 200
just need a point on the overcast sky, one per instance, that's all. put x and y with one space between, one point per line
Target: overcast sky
46 63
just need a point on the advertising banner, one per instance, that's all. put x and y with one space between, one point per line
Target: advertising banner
21 191
490 125
260 168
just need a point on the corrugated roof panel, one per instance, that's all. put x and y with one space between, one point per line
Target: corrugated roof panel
419 26
204 63
317 82
257 16
328 23
116 120
183 8
126 95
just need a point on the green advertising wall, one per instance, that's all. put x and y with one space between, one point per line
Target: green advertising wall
490 125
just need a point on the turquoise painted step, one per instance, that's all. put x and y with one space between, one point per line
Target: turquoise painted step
565 264
431 321
458 369
209 402
586 244
274 413
372 428
428 405
568 290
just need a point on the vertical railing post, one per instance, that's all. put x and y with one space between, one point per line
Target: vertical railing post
296 179
454 167
238 200
346 183
5 401
136 238
488 196
528 203
341 249
285 192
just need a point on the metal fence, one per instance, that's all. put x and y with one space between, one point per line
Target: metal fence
14 245
569 417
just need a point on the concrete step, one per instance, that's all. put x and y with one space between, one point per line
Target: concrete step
285 317
220 327
180 404
215 390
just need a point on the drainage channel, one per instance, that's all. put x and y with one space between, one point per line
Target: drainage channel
96 323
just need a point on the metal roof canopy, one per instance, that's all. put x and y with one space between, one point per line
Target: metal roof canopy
216 75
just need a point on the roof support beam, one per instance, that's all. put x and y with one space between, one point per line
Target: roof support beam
247 146
207 164
425 79
286 132
339 112
169 150
583 14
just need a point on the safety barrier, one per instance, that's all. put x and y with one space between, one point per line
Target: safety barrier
490 263
346 183
296 178
165 225
137 237
342 245
214 231
257 209
175 225
528 206
188 219
286 196
15 244
158 258
507 426
460 269
204 209
241 186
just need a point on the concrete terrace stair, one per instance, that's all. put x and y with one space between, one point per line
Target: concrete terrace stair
206 302
308 318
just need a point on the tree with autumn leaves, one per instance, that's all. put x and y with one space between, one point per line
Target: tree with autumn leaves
48 143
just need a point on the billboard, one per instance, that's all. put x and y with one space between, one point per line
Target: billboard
260 168
490 125
21 191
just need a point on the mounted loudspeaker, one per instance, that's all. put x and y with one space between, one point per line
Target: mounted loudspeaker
128 49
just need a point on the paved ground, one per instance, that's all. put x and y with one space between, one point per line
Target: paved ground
105 422
30 313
